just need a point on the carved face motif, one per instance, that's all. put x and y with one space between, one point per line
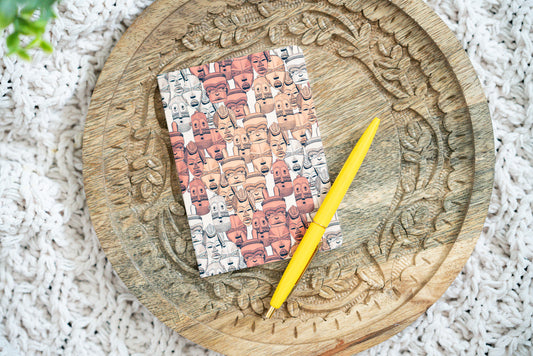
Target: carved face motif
296 68
282 178
183 175
254 187
280 240
200 71
333 235
225 124
260 226
242 73
317 157
256 128
295 155
216 150
178 145
225 68
180 114
263 95
275 211
301 129
303 196
235 171
192 91
220 214
216 87
276 72
201 131
309 111
260 62
194 159
244 211
227 193
278 146
237 232
254 253
296 224
211 174
261 157
199 196
237 102
284 111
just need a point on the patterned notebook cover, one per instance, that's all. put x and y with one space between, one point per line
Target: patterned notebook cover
249 157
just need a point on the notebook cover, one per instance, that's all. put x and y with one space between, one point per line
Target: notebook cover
249 157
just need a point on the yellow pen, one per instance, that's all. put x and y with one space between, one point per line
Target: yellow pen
310 242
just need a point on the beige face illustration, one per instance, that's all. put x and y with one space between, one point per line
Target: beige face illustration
237 101
308 111
284 112
302 128
234 169
280 240
255 183
241 144
195 159
263 95
261 157
276 72
291 89
211 174
256 128
277 141
225 191
218 148
224 120
243 207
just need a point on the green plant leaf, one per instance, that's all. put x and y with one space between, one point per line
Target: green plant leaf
12 42
23 54
8 12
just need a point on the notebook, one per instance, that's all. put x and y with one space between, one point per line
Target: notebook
249 157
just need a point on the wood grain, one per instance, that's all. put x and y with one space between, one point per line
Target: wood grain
410 219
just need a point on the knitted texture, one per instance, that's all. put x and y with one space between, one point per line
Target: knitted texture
60 295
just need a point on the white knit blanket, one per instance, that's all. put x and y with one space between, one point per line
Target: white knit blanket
60 295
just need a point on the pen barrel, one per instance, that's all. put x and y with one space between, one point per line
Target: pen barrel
298 264
346 175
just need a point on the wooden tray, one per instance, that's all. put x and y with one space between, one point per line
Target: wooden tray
410 220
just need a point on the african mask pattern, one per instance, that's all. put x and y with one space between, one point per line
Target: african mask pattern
249 157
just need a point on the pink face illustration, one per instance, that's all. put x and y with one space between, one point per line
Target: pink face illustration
178 145
260 226
211 174
297 226
253 252
242 73
241 144
255 183
275 210
201 131
263 95
225 68
237 232
260 62
234 169
199 196
303 195
237 101
224 120
256 127
282 178
216 150
195 159
216 87
280 240
183 175
200 71
276 72
261 157
243 207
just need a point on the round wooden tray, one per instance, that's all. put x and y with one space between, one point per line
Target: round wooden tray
410 220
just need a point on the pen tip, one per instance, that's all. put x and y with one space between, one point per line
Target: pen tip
270 312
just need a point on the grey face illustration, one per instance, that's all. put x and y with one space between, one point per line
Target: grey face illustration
296 68
214 268
333 235
294 155
180 113
214 250
220 214
197 231
209 110
192 91
201 258
175 83
230 257
317 157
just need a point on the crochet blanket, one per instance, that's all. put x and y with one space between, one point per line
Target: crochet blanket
60 295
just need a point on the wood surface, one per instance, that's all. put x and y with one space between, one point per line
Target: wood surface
411 217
